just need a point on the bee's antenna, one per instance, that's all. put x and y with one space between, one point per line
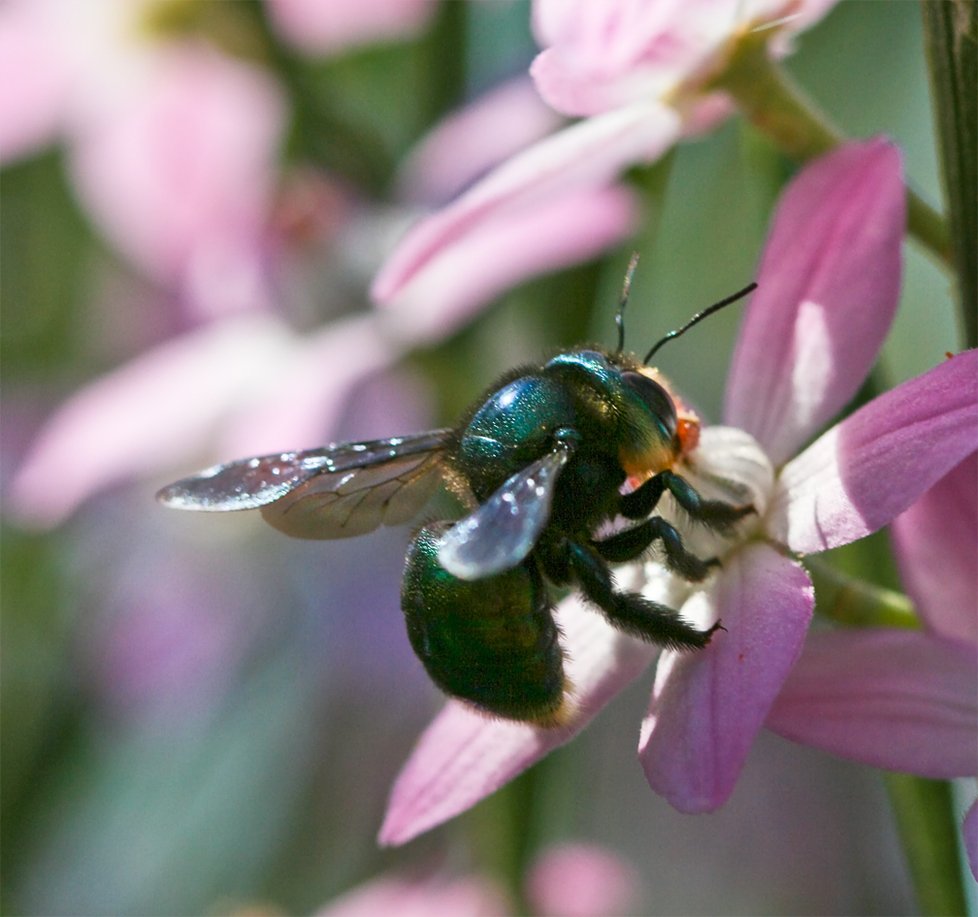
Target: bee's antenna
623 301
716 307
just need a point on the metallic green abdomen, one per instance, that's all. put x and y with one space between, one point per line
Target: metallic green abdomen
492 642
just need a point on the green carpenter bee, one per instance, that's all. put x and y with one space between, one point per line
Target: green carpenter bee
541 461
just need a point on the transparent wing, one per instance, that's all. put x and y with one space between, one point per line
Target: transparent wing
333 492
504 529
344 504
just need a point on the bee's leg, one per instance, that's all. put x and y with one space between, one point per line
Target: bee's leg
632 543
641 501
629 611
717 514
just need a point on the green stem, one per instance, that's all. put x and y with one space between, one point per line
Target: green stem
776 105
924 812
508 832
853 602
952 57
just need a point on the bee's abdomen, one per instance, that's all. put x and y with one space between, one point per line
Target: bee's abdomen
492 642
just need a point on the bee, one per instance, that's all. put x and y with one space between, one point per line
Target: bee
541 461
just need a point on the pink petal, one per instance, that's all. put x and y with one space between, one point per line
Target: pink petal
828 287
460 759
970 831
707 706
180 167
207 398
874 464
900 700
463 757
300 400
499 253
34 81
465 145
144 417
936 546
588 155
328 28
795 17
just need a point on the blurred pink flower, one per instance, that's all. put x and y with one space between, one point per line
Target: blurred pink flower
467 143
828 287
601 56
328 28
171 145
627 64
179 173
236 387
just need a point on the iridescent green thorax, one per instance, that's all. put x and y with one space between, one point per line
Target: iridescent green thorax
514 426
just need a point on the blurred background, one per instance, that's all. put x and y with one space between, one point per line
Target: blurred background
202 716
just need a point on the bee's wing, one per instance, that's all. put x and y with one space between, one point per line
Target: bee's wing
333 492
504 529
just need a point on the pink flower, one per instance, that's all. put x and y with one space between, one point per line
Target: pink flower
828 286
179 171
171 145
35 83
635 67
599 57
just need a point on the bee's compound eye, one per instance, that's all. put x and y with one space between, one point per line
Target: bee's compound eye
656 399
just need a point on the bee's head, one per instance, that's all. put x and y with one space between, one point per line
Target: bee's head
636 412
672 422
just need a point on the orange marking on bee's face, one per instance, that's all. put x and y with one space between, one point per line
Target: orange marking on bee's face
643 465
688 432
